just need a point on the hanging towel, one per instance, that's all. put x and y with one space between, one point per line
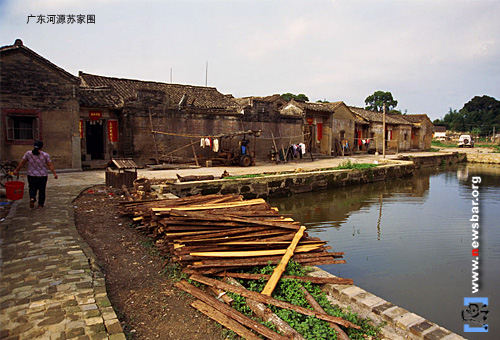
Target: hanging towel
303 148
202 142
216 145
207 142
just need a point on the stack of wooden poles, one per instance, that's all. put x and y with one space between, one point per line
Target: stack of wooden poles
218 235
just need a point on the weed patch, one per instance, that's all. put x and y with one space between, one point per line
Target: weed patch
310 327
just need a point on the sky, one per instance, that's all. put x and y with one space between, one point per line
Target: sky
431 55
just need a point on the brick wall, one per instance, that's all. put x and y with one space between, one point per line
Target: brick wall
28 83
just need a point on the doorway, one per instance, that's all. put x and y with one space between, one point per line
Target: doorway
95 138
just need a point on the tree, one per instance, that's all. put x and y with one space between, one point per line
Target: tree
480 115
289 96
375 102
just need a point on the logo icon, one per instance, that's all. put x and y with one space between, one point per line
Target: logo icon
475 314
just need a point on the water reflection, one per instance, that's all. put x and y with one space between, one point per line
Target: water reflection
409 240
331 208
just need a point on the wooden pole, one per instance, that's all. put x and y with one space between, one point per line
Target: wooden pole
228 311
157 158
316 306
383 132
280 268
265 299
194 153
224 320
266 314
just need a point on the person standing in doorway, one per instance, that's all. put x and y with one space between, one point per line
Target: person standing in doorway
38 162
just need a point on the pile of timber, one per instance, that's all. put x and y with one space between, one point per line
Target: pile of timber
216 234
220 233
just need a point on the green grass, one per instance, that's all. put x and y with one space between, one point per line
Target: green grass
357 166
290 290
441 144
344 165
495 147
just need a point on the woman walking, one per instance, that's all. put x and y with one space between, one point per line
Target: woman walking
38 161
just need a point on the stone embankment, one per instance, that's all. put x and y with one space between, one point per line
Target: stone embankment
486 158
399 323
286 184
435 160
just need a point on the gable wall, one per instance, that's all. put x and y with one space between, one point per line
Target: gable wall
29 84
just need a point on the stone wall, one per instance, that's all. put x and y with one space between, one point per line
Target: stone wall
435 160
487 158
291 183
180 128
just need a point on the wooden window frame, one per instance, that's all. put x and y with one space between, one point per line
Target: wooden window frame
8 119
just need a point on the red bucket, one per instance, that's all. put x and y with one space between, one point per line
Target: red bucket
14 190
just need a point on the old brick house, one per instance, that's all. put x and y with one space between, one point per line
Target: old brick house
39 100
402 132
421 131
279 128
125 112
327 125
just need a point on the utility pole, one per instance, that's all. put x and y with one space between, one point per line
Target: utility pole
206 74
383 132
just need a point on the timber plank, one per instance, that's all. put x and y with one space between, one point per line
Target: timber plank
317 307
280 268
228 311
313 279
270 300
252 253
224 320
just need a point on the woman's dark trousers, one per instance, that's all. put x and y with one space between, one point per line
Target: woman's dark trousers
37 184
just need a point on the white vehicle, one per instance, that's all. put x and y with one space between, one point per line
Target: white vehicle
465 141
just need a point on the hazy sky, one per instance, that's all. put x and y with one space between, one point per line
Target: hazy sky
432 55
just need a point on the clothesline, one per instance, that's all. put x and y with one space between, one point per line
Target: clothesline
224 135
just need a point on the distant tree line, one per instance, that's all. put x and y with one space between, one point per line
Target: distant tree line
300 97
478 116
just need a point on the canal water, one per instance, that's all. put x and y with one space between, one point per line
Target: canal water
409 240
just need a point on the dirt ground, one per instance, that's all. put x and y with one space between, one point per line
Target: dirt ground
137 279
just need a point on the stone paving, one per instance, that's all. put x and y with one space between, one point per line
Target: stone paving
50 287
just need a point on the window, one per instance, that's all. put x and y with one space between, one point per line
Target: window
22 125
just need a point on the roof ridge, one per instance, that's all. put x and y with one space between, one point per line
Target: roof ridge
19 46
83 74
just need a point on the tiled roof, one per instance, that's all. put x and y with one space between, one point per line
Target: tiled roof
247 101
373 116
415 118
316 107
197 96
99 97
19 47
